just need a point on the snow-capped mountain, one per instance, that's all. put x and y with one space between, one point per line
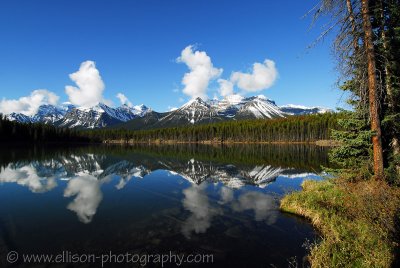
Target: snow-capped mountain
139 110
196 111
235 106
19 118
292 109
49 114
100 116
258 107
46 113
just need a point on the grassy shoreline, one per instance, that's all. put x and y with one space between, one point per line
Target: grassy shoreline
357 221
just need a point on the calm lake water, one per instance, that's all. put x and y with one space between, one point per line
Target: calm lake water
154 200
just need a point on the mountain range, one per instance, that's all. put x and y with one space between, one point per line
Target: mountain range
196 111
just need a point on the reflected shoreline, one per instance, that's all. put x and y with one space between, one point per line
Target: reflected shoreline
328 143
86 168
221 199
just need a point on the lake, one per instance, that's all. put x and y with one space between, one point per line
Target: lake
151 199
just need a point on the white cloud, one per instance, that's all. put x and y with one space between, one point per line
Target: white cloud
90 86
28 105
262 77
225 87
201 72
124 100
170 108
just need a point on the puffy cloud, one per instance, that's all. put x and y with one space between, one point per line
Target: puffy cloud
124 100
225 87
90 86
28 105
201 72
262 77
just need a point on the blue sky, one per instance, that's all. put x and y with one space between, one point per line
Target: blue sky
135 45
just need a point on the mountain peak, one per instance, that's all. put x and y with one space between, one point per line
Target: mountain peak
198 100
292 109
195 111
195 102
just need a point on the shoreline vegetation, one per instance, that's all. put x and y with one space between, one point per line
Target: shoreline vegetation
358 212
357 221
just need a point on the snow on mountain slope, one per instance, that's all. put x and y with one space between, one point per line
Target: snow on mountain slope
229 106
101 115
49 114
126 113
46 113
19 118
259 107
232 107
195 111
292 109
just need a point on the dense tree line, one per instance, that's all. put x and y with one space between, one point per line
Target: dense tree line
11 131
308 128
368 49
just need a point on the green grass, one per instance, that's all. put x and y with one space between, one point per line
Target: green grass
356 221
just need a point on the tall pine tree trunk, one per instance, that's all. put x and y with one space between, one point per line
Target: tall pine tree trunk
373 92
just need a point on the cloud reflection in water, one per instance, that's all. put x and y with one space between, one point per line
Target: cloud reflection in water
196 201
86 173
27 176
88 196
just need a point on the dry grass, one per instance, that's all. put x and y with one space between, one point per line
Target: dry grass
357 221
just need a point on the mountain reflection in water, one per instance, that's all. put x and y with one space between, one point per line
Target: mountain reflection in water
190 189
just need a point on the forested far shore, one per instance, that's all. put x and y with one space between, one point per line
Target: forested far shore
15 132
293 129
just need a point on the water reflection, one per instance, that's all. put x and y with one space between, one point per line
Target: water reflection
189 199
87 172
29 176
226 195
197 202
264 206
88 196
